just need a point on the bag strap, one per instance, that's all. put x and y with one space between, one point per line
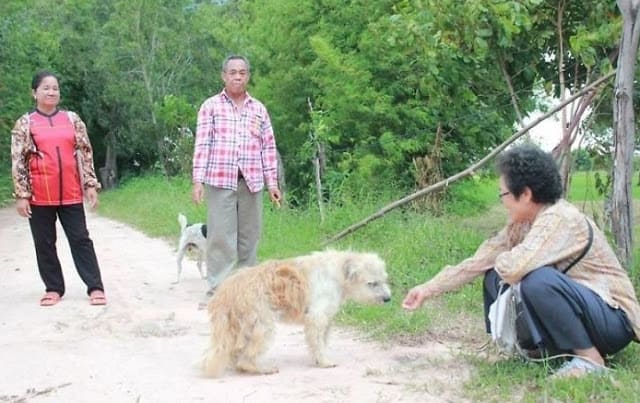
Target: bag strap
586 248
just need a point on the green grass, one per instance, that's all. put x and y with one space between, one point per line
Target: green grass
583 186
415 246
6 187
504 380
152 204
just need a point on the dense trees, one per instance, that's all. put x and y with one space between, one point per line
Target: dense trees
395 92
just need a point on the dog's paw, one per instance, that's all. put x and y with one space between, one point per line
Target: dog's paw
269 370
253 369
326 364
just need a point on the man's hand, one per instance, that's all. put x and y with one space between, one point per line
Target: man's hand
197 193
275 196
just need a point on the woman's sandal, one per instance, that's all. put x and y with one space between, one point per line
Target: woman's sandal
50 298
97 297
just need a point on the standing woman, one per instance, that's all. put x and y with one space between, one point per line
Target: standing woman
52 168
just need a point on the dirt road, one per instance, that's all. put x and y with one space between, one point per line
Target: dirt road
144 346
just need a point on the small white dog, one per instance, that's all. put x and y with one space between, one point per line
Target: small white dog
192 236
307 289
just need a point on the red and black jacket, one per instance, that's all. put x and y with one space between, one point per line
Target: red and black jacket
55 177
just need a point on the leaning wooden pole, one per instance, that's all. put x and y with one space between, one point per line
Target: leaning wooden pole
469 171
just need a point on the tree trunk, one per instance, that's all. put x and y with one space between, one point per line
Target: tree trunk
562 152
624 133
109 172
316 174
319 160
318 170
570 131
570 118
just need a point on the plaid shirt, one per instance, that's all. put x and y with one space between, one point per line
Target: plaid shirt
232 141
555 238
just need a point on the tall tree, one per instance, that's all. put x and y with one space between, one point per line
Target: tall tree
624 131
25 47
145 61
392 81
579 46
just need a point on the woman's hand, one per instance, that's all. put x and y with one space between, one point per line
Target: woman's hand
91 194
416 297
23 207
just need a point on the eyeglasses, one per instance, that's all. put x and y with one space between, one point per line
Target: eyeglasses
501 195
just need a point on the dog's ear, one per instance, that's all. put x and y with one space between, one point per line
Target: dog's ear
350 270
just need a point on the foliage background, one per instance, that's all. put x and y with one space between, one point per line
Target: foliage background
398 93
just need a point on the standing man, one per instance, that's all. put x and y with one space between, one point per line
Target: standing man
234 158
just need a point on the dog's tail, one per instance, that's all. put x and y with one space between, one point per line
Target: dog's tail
183 221
218 356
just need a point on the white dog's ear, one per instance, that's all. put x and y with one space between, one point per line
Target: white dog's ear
350 269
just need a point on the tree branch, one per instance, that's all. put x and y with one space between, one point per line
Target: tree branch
469 171
512 92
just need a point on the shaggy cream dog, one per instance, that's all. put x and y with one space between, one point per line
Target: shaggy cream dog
307 289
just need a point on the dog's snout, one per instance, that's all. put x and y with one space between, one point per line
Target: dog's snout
386 298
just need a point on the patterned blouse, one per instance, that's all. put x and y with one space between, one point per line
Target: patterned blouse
556 238
23 149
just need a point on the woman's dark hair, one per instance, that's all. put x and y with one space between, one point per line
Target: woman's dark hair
39 76
527 165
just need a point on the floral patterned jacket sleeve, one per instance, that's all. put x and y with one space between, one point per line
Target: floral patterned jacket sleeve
452 277
85 153
21 147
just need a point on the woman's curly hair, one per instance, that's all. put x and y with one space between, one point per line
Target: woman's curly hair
527 165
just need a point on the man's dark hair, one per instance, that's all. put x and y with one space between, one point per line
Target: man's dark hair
527 165
235 57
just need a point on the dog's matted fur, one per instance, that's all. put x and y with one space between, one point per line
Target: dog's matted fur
307 289
192 236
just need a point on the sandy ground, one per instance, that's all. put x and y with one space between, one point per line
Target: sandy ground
145 344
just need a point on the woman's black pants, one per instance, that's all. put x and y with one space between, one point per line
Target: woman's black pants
43 229
568 316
